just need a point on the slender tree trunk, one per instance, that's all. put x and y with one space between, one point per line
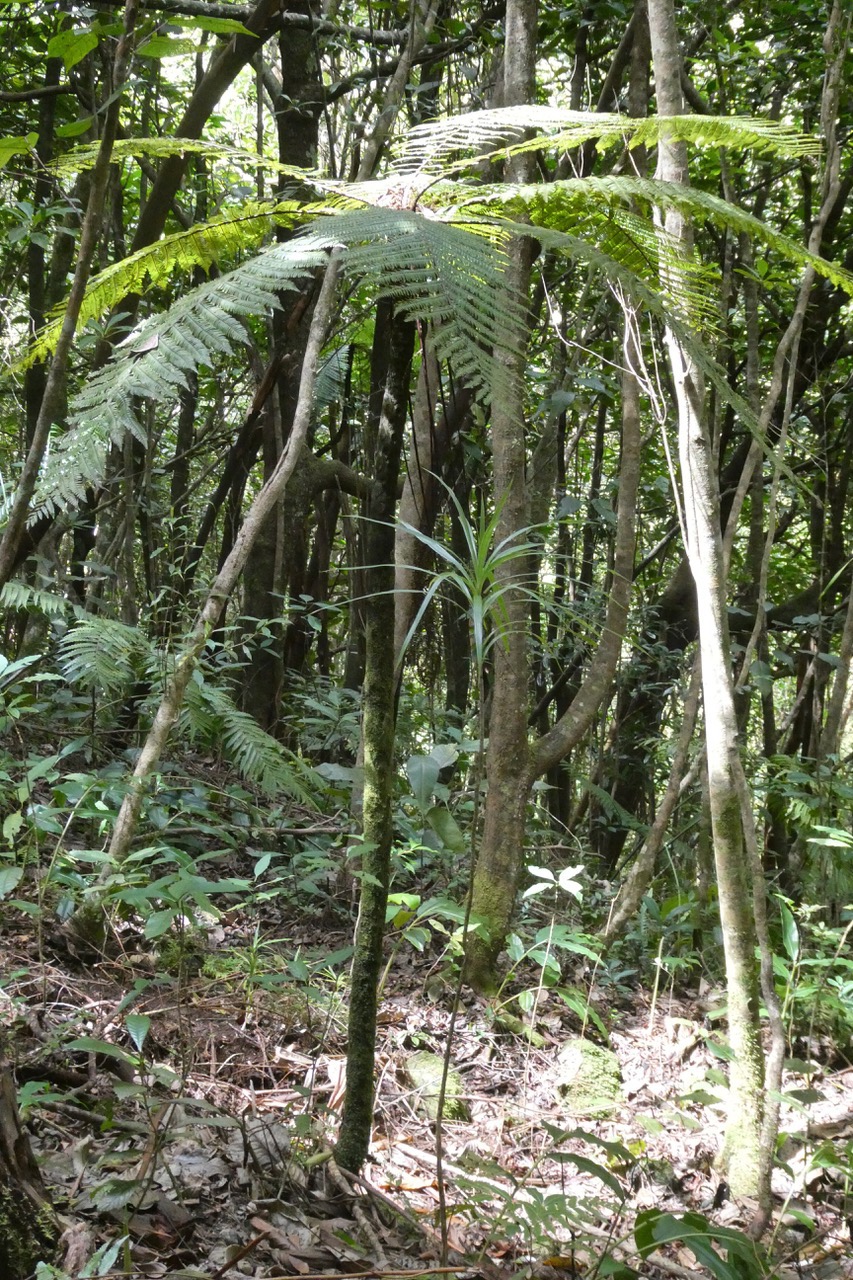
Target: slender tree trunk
500 859
28 1227
378 716
741 1154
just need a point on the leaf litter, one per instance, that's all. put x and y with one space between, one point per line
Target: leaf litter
195 1119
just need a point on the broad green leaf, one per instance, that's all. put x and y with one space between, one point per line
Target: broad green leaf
217 26
158 922
445 753
422 772
10 878
15 146
12 824
90 1044
446 828
138 1026
72 46
585 1165
790 932
166 47
74 129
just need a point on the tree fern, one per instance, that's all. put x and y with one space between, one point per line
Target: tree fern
210 714
440 146
438 273
105 655
564 204
109 657
333 377
83 157
235 233
442 262
20 595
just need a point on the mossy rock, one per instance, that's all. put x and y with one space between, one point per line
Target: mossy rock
589 1080
424 1071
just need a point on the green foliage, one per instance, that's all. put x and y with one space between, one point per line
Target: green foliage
433 147
210 712
442 275
108 657
814 978
473 578
740 1259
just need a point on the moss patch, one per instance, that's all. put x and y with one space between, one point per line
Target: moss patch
423 1071
589 1081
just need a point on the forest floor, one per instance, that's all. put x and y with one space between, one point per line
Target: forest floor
184 1101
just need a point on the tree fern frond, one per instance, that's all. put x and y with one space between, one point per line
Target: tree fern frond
443 275
754 133
210 713
154 362
558 205
84 156
20 595
225 237
502 131
648 296
104 654
333 377
586 214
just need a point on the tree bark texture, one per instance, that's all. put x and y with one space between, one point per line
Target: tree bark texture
378 720
501 853
28 1228
741 1154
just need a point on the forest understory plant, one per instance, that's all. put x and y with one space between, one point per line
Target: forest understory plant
506 269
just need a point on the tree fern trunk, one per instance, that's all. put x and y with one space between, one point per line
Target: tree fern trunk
501 854
378 715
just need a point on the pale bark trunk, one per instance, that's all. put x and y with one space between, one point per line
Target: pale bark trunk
741 1155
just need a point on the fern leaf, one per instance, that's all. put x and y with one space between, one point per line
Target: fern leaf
440 146
104 654
20 595
83 157
214 242
444 275
210 712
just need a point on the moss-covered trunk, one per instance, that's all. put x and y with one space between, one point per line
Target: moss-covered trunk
392 359
28 1230
500 858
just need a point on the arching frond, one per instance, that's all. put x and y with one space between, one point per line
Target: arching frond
78 159
439 145
442 275
586 212
333 377
648 296
237 232
104 654
565 204
20 595
210 714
